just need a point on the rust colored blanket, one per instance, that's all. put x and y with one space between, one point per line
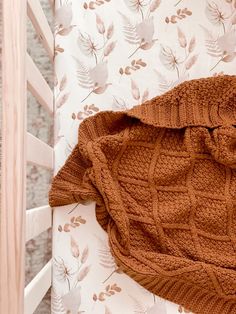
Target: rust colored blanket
163 175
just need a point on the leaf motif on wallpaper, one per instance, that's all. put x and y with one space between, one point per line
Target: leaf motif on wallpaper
83 273
56 303
106 260
110 31
63 16
190 62
129 30
182 38
168 58
62 100
192 44
100 24
72 300
83 75
135 90
109 48
211 44
154 5
214 13
86 45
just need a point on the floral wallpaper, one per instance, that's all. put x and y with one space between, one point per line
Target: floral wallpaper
114 54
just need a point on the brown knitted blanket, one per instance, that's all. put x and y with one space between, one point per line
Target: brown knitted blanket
163 175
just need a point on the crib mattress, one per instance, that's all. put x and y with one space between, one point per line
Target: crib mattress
112 55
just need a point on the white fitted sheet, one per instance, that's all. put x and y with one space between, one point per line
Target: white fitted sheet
113 54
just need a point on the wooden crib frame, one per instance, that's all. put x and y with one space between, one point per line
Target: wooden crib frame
19 72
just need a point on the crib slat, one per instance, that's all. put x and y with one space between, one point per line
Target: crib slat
38 220
38 152
42 28
37 288
13 170
38 86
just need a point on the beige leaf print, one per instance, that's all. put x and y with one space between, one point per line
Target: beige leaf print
62 100
154 5
109 48
83 273
129 30
181 38
211 44
107 310
106 260
101 90
65 31
135 90
134 5
229 58
56 303
86 45
109 291
100 24
168 58
139 307
145 95
74 247
63 83
145 30
192 44
180 14
191 62
214 14
63 16
83 75
84 255
227 42
71 300
135 65
110 31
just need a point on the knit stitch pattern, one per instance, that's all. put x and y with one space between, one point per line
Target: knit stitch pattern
163 175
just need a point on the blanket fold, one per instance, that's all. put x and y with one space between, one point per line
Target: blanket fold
163 176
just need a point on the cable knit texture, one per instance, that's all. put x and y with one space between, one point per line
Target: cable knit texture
163 175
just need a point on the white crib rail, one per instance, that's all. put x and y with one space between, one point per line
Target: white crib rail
18 147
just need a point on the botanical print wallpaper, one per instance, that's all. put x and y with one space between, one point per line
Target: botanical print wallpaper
112 55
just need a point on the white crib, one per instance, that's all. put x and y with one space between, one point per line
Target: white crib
137 41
